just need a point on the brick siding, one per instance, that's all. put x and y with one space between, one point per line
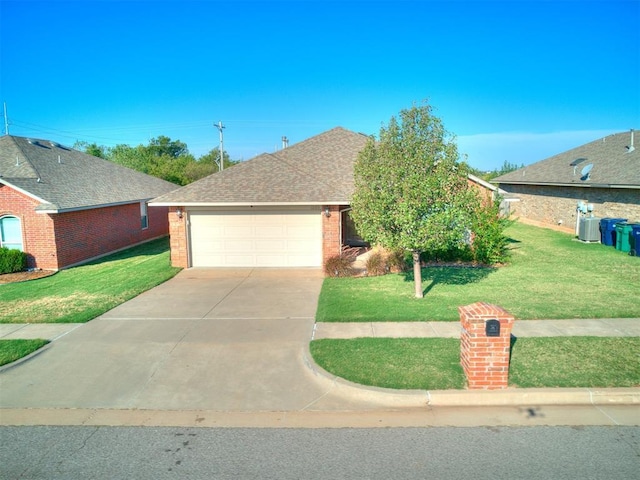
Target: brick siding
55 241
556 206
179 240
331 241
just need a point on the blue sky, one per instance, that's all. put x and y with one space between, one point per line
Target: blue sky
513 80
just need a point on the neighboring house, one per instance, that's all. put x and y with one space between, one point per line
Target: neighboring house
286 209
604 174
64 207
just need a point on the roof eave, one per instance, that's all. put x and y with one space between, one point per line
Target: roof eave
49 208
246 204
23 191
579 185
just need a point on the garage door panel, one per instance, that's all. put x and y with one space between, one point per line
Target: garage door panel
262 239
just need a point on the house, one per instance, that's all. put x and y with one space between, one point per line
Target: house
285 209
64 207
604 174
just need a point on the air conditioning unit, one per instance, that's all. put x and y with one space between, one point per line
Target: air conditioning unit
589 230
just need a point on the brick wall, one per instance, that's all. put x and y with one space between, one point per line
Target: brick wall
179 239
87 234
55 241
331 241
485 360
37 229
556 206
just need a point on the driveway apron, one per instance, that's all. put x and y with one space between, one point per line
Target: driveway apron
214 339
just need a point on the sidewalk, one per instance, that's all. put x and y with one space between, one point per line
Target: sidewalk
610 327
605 327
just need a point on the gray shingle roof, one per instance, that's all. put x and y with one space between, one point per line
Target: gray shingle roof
318 170
613 166
66 179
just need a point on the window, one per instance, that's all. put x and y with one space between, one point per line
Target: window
144 219
10 233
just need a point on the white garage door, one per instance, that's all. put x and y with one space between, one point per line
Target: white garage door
256 238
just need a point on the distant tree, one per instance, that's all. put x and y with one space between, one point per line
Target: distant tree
506 168
165 146
162 157
91 149
213 159
411 192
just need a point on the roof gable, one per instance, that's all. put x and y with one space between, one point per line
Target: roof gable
318 170
66 179
613 165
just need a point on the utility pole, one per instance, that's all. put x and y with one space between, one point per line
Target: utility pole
6 120
220 126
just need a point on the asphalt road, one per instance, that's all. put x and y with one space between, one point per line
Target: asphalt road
530 453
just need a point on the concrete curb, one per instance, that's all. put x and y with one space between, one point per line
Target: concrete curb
25 359
471 398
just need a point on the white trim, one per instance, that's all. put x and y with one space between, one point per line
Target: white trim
578 185
90 207
246 204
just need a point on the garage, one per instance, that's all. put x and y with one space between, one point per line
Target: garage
256 237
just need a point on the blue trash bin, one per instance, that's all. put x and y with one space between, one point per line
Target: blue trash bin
635 241
608 230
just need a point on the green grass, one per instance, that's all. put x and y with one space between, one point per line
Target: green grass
85 292
12 350
550 276
434 363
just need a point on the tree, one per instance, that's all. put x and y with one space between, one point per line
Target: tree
163 145
213 160
91 149
411 192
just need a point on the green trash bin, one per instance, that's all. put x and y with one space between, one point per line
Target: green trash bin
623 236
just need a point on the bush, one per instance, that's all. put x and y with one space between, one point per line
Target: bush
399 261
339 266
376 264
490 245
12 260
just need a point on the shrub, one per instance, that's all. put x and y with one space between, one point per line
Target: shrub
339 266
12 260
398 261
490 244
376 264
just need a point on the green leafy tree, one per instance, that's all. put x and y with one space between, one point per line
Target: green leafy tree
213 160
164 146
91 149
162 157
411 192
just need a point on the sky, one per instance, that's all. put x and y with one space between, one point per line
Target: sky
514 81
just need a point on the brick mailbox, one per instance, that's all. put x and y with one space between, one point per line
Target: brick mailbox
485 344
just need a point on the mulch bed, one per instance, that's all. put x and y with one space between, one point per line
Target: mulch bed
24 276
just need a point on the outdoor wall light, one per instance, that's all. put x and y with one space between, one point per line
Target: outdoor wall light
327 213
179 212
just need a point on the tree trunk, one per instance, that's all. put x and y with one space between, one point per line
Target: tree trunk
417 274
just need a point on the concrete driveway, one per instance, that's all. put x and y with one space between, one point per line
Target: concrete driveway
208 339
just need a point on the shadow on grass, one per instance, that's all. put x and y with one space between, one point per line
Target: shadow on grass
450 276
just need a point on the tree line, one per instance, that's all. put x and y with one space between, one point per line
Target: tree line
161 157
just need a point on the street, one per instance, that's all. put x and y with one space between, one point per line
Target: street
544 452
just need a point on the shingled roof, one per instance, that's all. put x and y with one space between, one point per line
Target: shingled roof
318 170
613 165
63 179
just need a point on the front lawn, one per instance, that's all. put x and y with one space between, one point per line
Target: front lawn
550 276
85 292
12 350
434 363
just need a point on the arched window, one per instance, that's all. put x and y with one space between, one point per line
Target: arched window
10 233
